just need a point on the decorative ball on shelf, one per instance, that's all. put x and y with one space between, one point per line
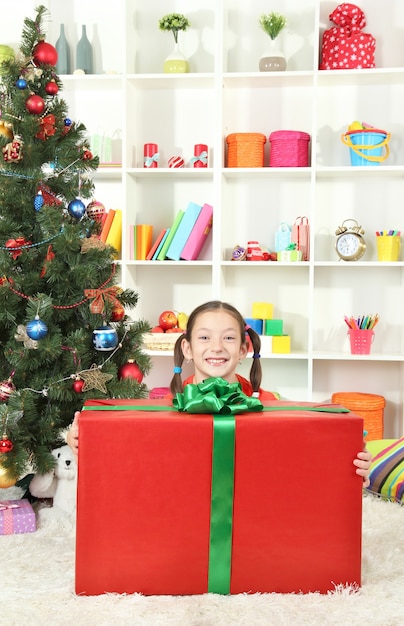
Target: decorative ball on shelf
51 88
36 329
35 104
6 481
78 385
95 210
76 208
117 313
105 338
6 389
175 161
6 445
21 83
130 370
44 54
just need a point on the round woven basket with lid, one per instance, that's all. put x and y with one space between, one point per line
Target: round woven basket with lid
245 150
369 406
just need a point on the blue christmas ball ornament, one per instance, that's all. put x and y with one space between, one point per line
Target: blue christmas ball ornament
36 329
21 83
105 338
76 209
67 122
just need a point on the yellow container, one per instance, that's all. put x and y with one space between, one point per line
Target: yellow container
281 344
388 247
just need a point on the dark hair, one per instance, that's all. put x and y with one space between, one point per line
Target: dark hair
176 385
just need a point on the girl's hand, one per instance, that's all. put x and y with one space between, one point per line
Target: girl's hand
72 437
362 462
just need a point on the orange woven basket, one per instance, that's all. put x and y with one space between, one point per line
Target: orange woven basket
367 405
245 149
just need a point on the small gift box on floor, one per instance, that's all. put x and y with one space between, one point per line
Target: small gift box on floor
217 502
345 46
16 516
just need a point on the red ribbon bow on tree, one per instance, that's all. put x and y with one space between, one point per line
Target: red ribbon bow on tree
47 127
16 246
101 296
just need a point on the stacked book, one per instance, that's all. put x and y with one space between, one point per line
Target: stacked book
183 240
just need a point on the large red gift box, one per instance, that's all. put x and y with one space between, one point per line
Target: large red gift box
147 522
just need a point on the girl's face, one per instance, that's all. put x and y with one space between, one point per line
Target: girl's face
215 346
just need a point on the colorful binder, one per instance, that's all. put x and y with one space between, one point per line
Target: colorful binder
163 252
183 231
199 233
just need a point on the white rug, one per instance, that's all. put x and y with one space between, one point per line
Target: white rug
37 586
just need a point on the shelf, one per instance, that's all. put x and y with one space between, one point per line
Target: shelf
129 98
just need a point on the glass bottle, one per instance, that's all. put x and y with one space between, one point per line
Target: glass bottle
63 50
84 53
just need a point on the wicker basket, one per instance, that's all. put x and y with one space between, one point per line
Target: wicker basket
245 150
160 341
289 148
367 405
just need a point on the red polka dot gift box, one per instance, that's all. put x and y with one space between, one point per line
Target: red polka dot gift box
345 46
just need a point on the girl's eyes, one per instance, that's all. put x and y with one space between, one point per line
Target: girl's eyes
226 338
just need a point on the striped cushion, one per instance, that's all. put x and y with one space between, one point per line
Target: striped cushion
387 469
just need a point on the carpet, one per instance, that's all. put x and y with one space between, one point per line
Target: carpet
37 585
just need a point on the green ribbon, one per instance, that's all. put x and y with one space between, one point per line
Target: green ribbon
223 400
215 395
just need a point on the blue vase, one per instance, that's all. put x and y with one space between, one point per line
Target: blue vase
84 53
63 50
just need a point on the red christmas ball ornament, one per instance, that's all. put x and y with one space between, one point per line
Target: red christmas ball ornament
95 210
45 54
130 370
78 385
6 389
35 105
117 313
87 155
5 445
51 88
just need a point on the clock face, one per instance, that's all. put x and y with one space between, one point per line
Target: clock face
350 246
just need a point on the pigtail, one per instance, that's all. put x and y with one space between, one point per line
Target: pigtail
176 385
256 369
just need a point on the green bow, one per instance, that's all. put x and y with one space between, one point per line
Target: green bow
217 396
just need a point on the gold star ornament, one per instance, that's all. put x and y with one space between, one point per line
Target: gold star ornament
94 379
21 335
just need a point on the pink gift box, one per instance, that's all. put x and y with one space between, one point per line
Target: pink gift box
16 517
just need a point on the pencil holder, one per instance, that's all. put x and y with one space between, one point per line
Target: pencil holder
360 340
388 247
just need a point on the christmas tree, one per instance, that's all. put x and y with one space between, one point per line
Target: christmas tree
64 332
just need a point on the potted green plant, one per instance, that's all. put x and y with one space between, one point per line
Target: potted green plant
175 62
272 24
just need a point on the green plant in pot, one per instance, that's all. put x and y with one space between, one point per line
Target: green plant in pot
272 24
175 63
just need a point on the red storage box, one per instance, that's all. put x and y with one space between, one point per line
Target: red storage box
147 522
289 148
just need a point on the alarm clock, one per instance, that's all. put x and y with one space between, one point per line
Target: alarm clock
350 244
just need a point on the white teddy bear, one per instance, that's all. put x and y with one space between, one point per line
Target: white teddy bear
61 483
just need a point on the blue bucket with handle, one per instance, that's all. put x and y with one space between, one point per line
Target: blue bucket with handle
367 147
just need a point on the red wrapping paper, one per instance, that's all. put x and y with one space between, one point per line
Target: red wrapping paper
297 501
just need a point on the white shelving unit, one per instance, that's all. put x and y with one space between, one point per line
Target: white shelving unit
130 99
